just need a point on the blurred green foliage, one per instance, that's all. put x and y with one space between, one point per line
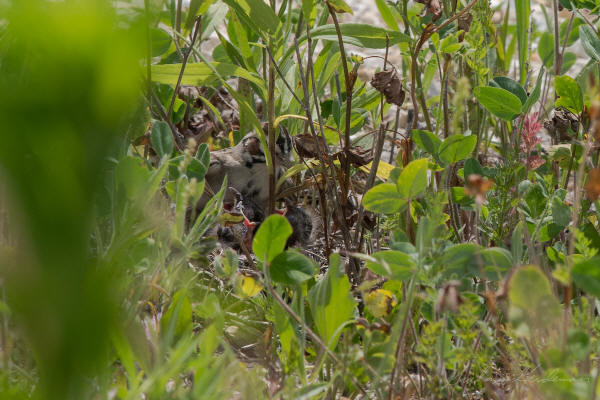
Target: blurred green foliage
69 81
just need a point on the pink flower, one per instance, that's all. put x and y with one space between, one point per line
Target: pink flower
529 140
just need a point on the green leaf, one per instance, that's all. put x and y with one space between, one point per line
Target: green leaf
177 321
309 10
512 86
196 7
523 13
162 139
413 179
291 268
535 94
269 240
569 93
201 74
256 12
340 6
516 242
161 41
586 275
331 302
532 304
590 42
384 199
392 264
457 147
427 141
561 213
546 49
386 15
472 166
500 102
361 35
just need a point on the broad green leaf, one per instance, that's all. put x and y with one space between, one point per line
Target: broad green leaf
256 12
590 42
512 86
569 93
535 94
532 304
177 321
331 302
196 7
523 13
457 147
546 49
201 74
472 166
586 275
291 268
162 139
561 213
309 10
361 35
413 179
340 6
386 14
427 141
392 264
516 242
133 176
161 41
270 238
500 102
384 199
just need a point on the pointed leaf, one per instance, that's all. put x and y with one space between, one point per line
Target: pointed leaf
569 93
384 199
512 86
331 302
413 179
270 238
500 102
457 147
590 42
162 139
291 268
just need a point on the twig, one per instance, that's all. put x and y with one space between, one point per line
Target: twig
564 45
345 184
313 336
183 64
429 30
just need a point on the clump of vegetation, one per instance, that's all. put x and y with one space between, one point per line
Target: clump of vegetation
442 208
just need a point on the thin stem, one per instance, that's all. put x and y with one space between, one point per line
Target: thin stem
183 64
348 83
313 335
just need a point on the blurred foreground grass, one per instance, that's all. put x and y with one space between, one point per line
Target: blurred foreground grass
69 81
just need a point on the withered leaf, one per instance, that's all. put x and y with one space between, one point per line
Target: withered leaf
560 122
592 186
359 156
432 7
449 298
464 24
388 82
306 146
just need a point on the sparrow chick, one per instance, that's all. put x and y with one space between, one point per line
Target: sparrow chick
236 234
301 223
245 167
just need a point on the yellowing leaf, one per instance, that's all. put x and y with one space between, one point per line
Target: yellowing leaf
380 302
248 286
383 169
